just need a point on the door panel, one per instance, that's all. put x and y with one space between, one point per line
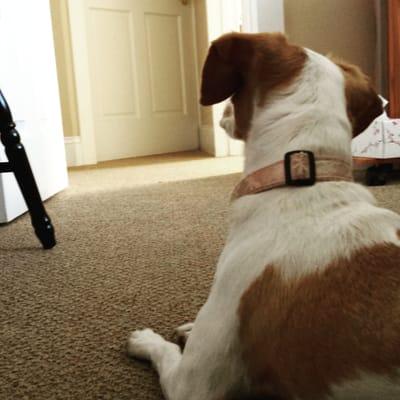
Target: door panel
142 67
164 42
114 58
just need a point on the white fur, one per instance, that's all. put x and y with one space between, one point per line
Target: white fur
309 114
297 229
368 387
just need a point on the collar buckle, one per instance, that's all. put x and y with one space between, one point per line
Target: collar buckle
300 168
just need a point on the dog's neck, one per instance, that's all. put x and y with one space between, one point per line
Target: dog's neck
308 115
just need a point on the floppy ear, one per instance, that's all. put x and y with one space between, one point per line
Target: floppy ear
220 79
363 103
363 108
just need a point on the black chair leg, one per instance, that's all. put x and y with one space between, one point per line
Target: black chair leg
18 161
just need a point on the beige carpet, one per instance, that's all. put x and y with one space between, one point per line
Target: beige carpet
137 246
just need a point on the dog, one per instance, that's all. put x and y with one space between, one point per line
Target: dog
305 303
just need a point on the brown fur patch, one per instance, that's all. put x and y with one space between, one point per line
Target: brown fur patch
398 233
363 104
245 65
300 337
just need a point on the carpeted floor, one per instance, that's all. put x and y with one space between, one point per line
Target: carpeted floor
137 246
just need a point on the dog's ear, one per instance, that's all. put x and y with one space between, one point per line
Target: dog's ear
363 103
220 78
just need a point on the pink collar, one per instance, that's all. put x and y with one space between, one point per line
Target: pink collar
299 168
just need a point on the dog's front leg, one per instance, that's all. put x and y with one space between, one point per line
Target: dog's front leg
195 375
208 368
165 356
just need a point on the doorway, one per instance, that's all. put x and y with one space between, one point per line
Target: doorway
139 60
135 67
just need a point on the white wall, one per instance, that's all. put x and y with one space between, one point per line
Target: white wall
270 16
345 28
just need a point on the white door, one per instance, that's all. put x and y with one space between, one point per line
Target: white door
28 79
142 70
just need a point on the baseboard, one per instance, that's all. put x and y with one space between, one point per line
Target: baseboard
74 154
207 139
73 151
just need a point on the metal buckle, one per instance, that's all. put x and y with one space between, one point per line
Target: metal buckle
311 167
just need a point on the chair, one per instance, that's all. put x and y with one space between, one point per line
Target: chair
19 165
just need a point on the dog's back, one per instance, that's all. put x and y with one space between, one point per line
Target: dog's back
317 288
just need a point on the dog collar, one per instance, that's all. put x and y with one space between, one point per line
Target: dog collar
299 168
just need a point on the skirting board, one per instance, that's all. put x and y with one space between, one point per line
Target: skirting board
74 154
73 151
207 139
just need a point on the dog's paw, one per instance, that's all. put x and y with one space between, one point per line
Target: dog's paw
143 343
228 124
228 110
183 332
227 121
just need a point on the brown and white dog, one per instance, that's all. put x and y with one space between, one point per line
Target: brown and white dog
305 303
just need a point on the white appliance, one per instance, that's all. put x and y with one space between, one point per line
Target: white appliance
28 80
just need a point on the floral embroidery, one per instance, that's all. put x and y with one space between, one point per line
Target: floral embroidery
299 166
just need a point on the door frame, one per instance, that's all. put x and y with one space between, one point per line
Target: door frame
80 59
222 18
394 57
250 15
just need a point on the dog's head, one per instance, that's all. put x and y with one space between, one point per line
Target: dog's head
249 67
